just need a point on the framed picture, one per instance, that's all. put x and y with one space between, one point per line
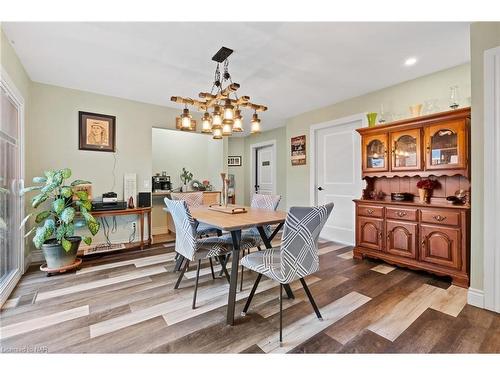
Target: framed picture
298 150
234 161
96 132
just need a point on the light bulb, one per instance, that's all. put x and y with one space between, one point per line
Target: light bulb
238 121
227 128
228 110
216 118
255 124
206 124
217 133
185 120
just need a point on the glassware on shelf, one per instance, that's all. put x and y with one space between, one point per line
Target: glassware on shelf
430 106
375 154
382 115
444 147
454 97
416 110
405 151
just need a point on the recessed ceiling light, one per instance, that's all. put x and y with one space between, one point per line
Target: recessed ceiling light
410 61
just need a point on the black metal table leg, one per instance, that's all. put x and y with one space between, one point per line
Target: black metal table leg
267 243
236 237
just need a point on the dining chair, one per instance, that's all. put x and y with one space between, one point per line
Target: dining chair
190 246
251 238
195 199
297 256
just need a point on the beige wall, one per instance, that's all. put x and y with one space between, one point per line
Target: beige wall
200 154
396 99
241 146
236 147
484 35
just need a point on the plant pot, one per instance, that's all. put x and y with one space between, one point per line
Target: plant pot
424 195
184 188
56 256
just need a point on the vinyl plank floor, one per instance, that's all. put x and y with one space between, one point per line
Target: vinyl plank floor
124 302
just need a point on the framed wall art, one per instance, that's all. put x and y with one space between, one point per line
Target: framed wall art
96 132
234 161
298 150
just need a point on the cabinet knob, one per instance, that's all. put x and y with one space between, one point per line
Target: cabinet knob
401 213
439 218
369 211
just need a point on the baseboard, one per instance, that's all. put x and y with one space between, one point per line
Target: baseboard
475 297
36 256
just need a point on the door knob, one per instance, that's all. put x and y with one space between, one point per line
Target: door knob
320 188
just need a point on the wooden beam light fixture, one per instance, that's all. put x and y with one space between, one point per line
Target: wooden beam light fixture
223 102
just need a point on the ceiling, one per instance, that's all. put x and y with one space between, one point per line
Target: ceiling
290 67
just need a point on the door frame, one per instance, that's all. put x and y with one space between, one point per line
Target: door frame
312 146
16 96
491 236
253 149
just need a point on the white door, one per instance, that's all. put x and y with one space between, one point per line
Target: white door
11 206
337 175
264 170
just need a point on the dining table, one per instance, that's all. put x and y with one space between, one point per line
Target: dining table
235 223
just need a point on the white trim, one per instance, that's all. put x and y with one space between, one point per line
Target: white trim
475 297
312 147
491 234
16 96
253 147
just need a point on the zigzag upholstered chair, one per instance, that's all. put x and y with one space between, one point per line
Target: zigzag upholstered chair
296 258
195 199
251 238
192 248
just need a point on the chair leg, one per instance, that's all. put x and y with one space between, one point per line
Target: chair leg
178 262
212 268
224 269
281 314
311 299
224 260
241 280
252 292
186 265
196 283
258 248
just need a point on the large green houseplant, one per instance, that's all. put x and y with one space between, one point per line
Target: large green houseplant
56 218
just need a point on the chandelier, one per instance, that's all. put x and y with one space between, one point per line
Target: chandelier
222 105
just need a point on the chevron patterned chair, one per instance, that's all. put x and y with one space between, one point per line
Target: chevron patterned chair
192 248
251 238
296 258
195 199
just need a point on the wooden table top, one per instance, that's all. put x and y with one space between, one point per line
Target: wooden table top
252 218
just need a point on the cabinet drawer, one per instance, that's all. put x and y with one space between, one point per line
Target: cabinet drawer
440 217
401 213
370 211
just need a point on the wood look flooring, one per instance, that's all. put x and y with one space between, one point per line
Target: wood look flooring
125 303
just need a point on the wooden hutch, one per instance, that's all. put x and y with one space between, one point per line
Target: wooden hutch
435 236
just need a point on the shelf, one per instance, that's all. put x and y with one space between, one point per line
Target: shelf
414 204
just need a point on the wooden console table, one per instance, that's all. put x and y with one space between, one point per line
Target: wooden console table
139 211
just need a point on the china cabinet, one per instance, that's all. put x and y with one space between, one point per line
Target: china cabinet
430 236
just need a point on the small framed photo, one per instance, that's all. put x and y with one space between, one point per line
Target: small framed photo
234 161
96 132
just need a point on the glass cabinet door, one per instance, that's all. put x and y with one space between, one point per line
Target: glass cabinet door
406 146
445 146
375 153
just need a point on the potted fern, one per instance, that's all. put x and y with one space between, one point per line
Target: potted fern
57 219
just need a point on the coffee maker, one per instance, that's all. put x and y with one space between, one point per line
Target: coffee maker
161 183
